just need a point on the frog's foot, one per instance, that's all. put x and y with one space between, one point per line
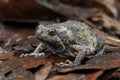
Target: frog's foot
37 54
69 62
24 55
33 54
101 52
62 64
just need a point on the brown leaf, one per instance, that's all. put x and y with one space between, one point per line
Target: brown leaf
65 10
108 6
32 62
4 55
18 38
107 74
73 76
20 11
9 65
96 63
20 74
107 23
113 41
116 75
43 73
3 32
75 2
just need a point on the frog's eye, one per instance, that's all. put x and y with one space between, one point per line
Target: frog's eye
51 32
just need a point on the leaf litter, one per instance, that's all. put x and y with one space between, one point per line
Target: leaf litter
17 27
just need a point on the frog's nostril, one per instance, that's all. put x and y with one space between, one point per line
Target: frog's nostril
41 32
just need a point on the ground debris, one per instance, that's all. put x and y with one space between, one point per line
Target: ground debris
18 21
31 62
20 74
75 76
43 73
98 63
109 8
9 65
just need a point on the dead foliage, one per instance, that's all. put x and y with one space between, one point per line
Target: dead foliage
18 21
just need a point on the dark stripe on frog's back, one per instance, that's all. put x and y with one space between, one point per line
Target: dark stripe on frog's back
63 35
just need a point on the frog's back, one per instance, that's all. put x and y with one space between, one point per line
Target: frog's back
76 30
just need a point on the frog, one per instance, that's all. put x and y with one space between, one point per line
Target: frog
69 39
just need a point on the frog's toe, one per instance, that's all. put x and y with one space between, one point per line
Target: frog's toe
61 64
37 54
24 55
101 52
68 61
32 54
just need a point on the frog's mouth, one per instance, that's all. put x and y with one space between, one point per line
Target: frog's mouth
51 45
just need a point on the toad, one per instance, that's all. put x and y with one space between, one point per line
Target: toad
69 39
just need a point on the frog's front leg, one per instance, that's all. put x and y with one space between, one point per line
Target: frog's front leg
80 54
38 51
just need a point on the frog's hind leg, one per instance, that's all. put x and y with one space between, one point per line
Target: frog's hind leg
101 52
78 59
76 62
62 64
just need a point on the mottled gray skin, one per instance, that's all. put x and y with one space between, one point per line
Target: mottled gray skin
70 39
